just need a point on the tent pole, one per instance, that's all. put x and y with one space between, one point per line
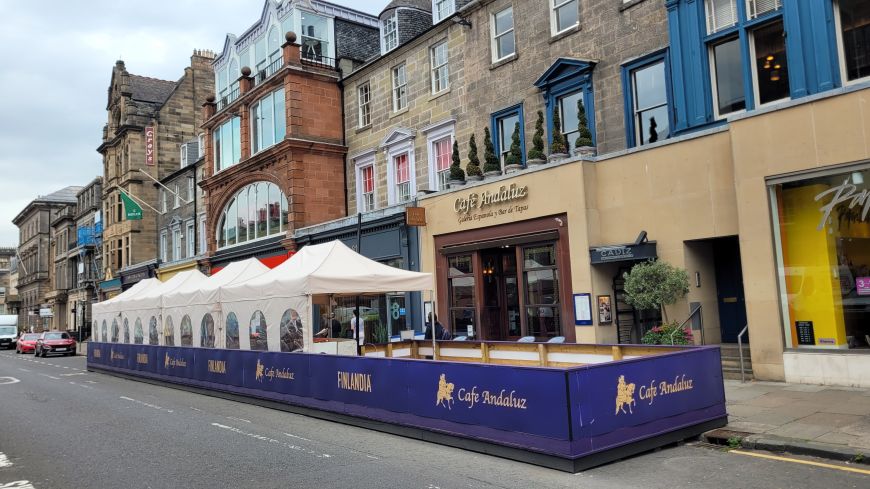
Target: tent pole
360 326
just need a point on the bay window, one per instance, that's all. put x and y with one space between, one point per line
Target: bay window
268 121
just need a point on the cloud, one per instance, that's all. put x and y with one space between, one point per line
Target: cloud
57 64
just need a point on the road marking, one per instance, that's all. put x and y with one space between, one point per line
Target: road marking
8 380
195 409
17 485
77 373
272 440
799 461
146 404
294 436
4 461
50 376
239 419
23 369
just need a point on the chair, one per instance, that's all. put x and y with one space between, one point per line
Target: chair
556 339
526 339
460 338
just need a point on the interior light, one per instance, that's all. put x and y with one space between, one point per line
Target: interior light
774 75
777 66
769 57
857 177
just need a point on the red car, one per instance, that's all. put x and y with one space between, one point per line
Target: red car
26 343
55 342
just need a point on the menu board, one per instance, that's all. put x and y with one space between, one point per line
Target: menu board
805 333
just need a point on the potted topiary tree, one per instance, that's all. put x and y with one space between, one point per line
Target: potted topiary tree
583 146
558 148
652 285
514 160
536 154
491 166
472 169
457 175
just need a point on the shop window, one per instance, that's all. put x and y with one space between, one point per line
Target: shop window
647 100
206 331
364 97
138 335
258 210
823 254
126 331
504 123
168 332
439 67
400 88
268 121
390 33
853 29
186 330
152 331
291 331
460 286
258 332
503 42
541 277
232 332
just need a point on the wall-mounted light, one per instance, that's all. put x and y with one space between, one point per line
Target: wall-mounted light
697 279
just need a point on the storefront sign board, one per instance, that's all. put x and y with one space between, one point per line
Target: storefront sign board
862 284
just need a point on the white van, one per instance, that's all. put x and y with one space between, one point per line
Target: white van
8 331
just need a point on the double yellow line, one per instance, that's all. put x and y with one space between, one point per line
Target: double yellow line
803 462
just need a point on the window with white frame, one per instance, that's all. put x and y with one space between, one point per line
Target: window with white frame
203 243
315 36
649 100
755 8
401 170
268 121
400 88
440 70
191 239
721 14
503 42
177 196
162 200
564 14
441 9
163 248
364 94
190 189
441 149
176 244
183 155
853 31
365 182
390 33
274 45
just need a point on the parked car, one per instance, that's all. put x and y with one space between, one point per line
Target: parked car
27 343
55 342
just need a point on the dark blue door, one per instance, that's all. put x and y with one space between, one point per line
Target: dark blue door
729 288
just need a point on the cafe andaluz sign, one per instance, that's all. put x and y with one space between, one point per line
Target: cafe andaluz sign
492 204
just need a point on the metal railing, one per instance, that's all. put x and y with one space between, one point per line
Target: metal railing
691 315
319 61
228 99
740 352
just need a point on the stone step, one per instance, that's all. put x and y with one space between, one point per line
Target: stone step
736 375
735 363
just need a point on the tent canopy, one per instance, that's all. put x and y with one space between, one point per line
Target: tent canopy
329 268
205 292
112 305
153 297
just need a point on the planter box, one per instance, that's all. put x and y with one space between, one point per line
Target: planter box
557 157
474 178
496 173
455 183
536 162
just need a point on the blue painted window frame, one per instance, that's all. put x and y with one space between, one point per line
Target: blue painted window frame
577 76
493 129
628 92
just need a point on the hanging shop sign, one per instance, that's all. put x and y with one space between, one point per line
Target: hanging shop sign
489 204
415 216
149 145
615 253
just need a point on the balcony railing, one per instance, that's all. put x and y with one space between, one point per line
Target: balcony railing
318 61
268 71
228 99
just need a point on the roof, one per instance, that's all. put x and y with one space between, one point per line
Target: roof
66 195
149 89
425 5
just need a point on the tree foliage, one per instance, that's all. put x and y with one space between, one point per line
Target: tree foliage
558 145
585 136
490 160
652 285
473 166
515 155
537 150
456 171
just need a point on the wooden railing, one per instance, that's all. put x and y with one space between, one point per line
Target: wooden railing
509 353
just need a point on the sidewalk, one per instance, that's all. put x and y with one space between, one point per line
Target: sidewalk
832 422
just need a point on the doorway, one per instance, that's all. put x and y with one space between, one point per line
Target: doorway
729 288
501 294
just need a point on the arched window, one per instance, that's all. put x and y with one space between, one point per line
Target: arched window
126 331
206 332
137 332
256 211
291 331
232 332
152 331
104 334
258 332
95 330
274 44
115 331
168 332
186 331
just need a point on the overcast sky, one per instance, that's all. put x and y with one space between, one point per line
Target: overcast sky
57 59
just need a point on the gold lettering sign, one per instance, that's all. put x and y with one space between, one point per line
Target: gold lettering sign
217 366
475 396
116 355
142 358
97 353
354 381
271 373
491 204
625 391
170 362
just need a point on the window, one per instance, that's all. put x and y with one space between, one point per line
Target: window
400 88
168 332
257 211
853 29
390 33
163 249
727 69
183 155
441 9
227 144
441 153
232 336
176 244
568 110
186 330
190 189
366 177
564 15
755 8
315 36
274 45
503 44
202 241
564 84
460 293
191 240
364 95
260 54
650 121
177 197
770 66
541 278
721 14
206 331
258 332
403 178
268 121
504 123
440 71
162 197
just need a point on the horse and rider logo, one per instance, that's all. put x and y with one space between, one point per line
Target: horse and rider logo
166 361
445 393
258 375
624 396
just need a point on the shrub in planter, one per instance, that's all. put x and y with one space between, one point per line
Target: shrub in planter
515 155
558 148
668 334
536 154
457 175
583 144
472 169
491 165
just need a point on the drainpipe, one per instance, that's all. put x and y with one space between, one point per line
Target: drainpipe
344 142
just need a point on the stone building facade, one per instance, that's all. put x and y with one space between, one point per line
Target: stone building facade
63 241
36 267
7 255
87 253
148 120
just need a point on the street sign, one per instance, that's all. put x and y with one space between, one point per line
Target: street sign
46 313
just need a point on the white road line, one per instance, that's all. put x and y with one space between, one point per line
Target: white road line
23 369
77 373
8 380
4 461
295 436
17 485
239 419
195 409
50 376
153 406
272 441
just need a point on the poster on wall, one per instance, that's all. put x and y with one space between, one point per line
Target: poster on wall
605 311
583 309
862 284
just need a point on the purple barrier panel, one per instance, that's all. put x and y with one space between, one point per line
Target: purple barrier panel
144 357
98 353
617 403
219 366
176 361
283 373
369 382
119 356
513 399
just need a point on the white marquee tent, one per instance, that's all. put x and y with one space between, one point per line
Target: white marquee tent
145 310
103 312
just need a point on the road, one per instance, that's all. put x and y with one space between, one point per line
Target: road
65 427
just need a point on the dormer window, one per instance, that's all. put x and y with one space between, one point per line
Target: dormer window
390 33
441 9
